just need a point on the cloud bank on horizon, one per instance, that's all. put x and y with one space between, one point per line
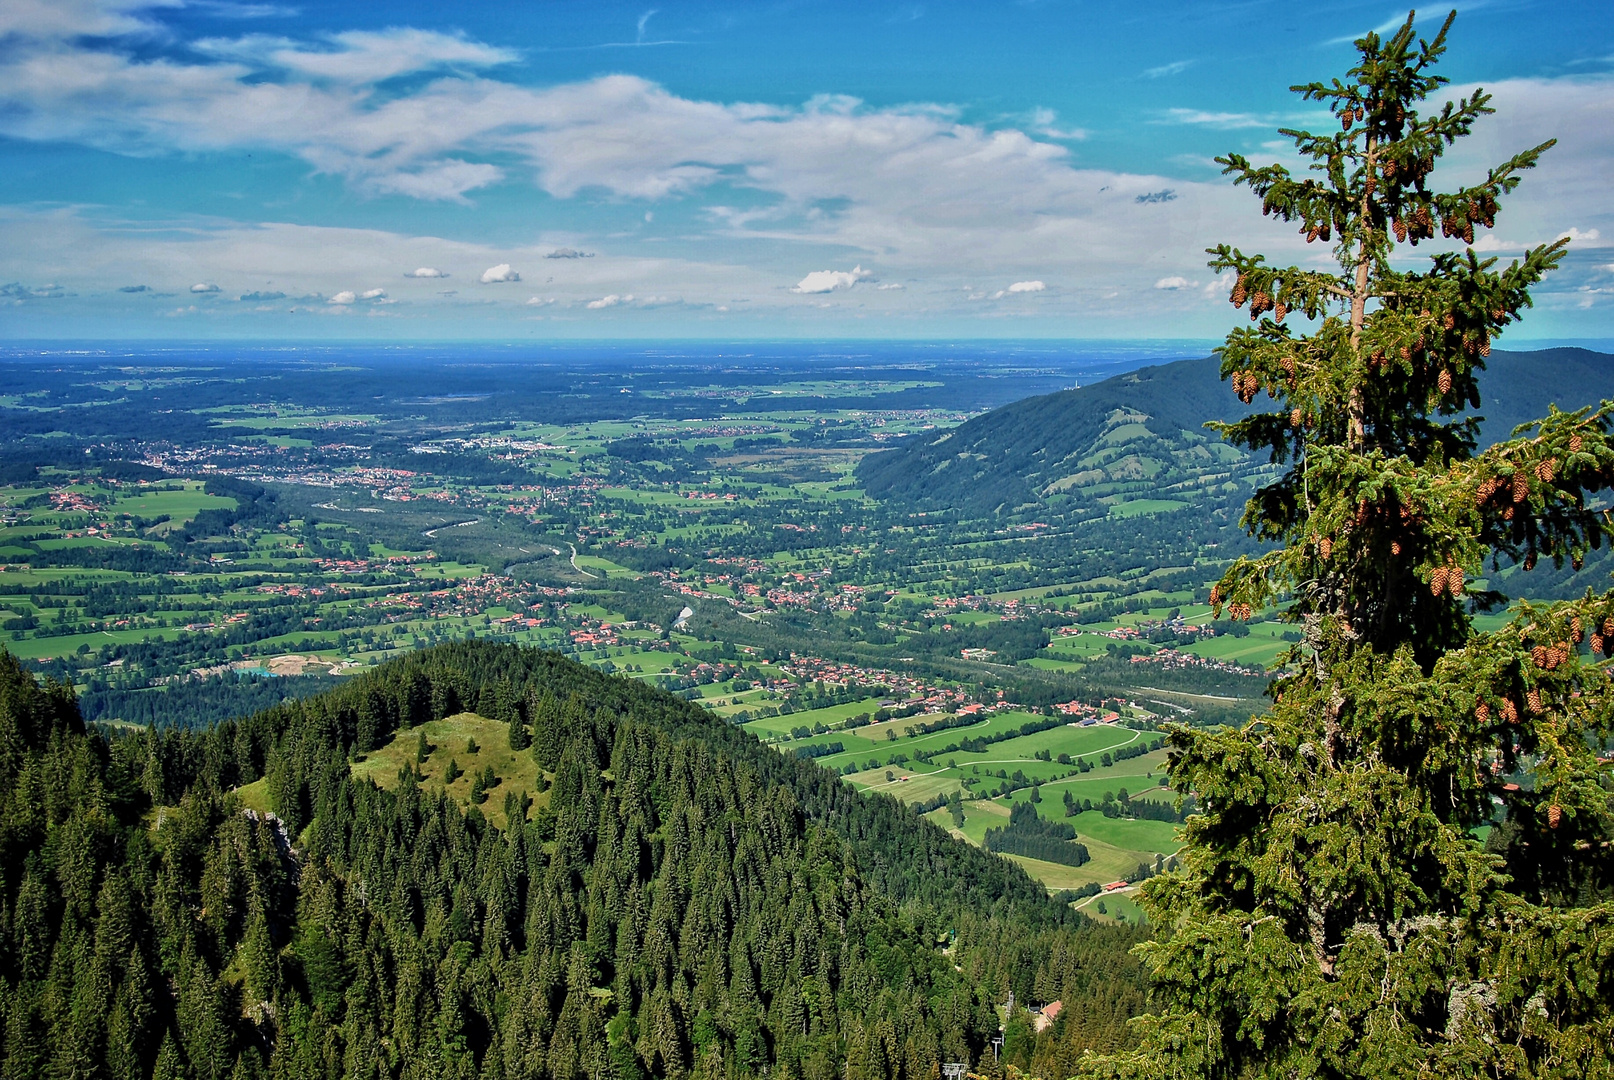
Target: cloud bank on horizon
422 147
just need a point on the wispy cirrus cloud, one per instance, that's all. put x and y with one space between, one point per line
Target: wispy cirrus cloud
225 9
1222 121
1176 67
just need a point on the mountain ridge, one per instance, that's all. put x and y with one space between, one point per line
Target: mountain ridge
1144 430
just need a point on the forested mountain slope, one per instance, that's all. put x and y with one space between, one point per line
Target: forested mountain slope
1141 435
686 902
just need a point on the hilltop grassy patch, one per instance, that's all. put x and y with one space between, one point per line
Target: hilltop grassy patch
447 740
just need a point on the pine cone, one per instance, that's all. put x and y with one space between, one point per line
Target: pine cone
1238 292
1575 627
1400 231
1312 234
1372 184
1555 814
1216 594
1574 444
1468 233
1546 469
1444 381
1597 643
1288 365
1533 699
1395 547
1454 580
1449 322
1521 486
1280 312
1437 581
1539 655
1482 712
1608 628
1326 546
1296 418
1485 346
1510 711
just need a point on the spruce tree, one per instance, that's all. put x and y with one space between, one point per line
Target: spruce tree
1337 914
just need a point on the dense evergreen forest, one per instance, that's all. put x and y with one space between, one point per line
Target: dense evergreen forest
681 901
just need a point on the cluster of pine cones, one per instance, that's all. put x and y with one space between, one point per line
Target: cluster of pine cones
1419 225
1447 578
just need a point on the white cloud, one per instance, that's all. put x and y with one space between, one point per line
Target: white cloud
930 197
493 275
51 19
361 56
426 272
344 297
569 253
1043 123
608 301
373 294
823 281
1027 286
539 301
1172 283
890 285
204 287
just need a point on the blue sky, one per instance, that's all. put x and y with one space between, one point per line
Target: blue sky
547 170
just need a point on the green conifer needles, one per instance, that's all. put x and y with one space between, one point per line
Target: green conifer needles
1338 915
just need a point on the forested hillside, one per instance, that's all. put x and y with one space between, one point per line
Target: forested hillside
1141 435
684 901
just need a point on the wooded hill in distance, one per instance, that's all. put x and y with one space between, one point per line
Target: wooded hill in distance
1140 438
680 901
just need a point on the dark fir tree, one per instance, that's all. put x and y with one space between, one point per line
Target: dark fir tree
1338 915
